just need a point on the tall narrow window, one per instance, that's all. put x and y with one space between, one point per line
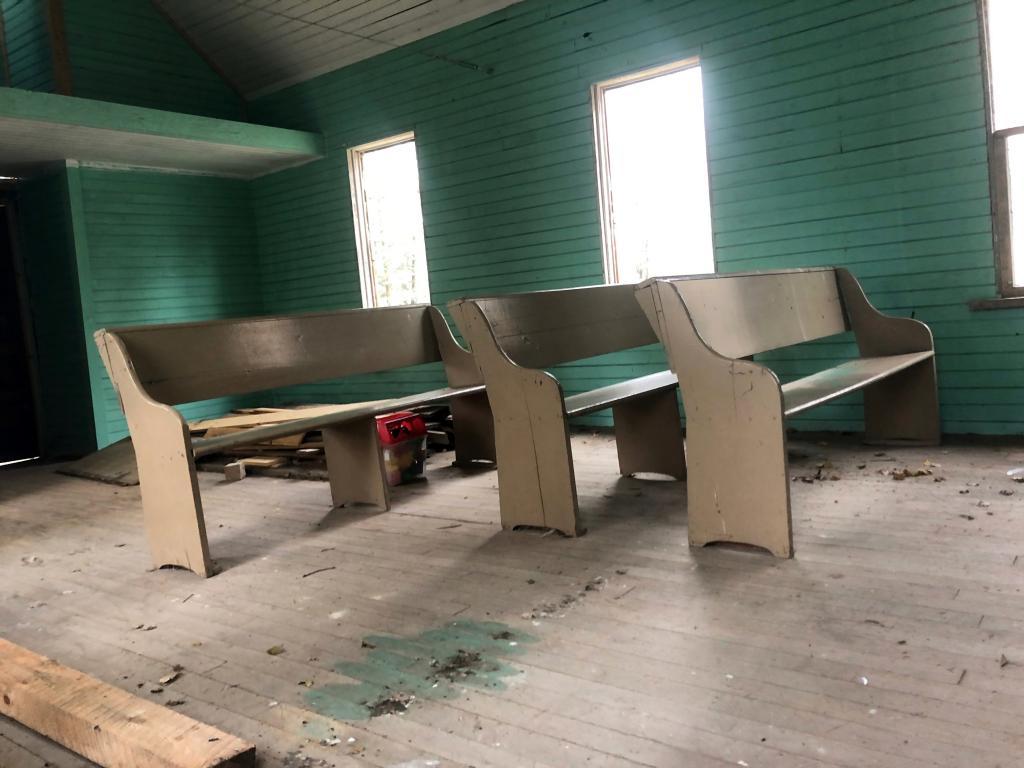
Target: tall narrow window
1003 21
389 222
653 174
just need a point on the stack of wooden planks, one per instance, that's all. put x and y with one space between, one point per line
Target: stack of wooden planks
305 449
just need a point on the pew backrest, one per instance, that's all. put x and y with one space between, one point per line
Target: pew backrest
746 313
185 362
546 328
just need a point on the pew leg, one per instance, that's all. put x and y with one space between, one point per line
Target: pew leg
649 436
904 409
474 429
536 482
737 488
738 491
355 464
172 509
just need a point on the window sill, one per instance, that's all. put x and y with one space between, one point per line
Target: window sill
1005 302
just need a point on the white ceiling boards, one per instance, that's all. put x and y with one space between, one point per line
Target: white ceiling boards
263 45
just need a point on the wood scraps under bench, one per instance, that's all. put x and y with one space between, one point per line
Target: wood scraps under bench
298 456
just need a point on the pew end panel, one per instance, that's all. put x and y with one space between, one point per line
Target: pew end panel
901 409
171 506
645 412
471 414
646 438
737 486
536 485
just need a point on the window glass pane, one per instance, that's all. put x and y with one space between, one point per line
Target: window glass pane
657 163
394 223
1015 169
1006 52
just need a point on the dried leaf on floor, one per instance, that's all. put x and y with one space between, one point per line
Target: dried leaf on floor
905 472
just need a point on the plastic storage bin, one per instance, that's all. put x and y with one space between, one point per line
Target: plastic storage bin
403 436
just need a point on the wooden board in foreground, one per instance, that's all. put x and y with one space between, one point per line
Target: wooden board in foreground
107 725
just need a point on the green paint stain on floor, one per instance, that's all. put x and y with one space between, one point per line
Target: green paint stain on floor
437 664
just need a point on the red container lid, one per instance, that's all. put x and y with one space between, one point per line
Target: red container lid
401 426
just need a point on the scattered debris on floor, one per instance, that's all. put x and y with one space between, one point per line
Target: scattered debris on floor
547 609
299 760
275 650
822 473
392 704
1016 474
461 665
1003 661
436 664
174 675
905 472
319 570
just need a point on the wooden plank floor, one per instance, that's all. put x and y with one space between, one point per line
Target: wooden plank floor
880 644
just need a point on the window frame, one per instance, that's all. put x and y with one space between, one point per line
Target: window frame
601 144
999 178
360 213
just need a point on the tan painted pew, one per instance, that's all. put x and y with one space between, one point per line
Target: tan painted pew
738 486
514 338
156 367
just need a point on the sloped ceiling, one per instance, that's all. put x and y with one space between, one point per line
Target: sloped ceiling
260 46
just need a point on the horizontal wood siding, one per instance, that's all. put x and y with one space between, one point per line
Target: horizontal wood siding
44 241
125 51
164 248
27 38
847 132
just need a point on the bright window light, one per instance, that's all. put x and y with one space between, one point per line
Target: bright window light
1015 172
1006 56
389 222
1004 29
653 174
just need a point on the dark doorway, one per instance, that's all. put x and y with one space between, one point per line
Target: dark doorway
19 438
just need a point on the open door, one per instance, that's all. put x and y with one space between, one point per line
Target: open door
19 434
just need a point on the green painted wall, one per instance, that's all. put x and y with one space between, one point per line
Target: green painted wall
159 248
845 132
125 51
45 245
27 37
